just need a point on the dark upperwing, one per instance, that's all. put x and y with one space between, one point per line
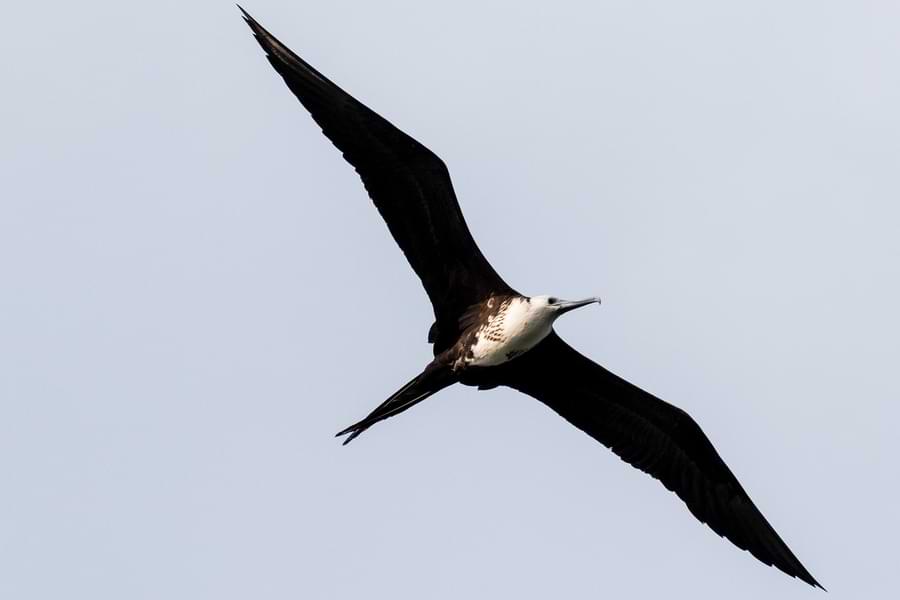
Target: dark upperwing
409 184
654 436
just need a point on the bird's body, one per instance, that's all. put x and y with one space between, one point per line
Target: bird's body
503 327
515 327
486 334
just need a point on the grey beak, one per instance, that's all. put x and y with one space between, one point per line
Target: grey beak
568 305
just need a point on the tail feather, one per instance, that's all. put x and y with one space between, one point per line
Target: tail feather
434 378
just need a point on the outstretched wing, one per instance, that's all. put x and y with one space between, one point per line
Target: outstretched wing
656 437
409 185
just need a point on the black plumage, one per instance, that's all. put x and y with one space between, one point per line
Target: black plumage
409 185
653 436
412 190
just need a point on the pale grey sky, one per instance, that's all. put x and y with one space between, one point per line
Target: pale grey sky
187 266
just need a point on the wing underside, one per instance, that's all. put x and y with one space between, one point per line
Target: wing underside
409 185
655 437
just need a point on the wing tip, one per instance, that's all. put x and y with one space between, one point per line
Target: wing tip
806 577
265 39
247 16
258 30
248 19
282 58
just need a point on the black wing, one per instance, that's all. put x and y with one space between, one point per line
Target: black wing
656 437
409 184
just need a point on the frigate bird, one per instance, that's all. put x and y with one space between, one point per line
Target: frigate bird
486 334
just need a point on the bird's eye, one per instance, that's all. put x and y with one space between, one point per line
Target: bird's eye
552 300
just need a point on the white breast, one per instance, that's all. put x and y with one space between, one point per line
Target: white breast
515 329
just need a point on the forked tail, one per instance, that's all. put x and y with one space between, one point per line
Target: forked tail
434 378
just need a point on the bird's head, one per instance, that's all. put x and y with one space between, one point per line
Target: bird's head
553 307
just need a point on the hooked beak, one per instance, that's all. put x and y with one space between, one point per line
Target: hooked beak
568 305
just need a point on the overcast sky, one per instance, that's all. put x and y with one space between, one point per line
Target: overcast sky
196 294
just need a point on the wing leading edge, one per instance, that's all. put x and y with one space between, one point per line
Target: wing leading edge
409 185
655 437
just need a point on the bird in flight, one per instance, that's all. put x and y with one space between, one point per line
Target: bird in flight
486 334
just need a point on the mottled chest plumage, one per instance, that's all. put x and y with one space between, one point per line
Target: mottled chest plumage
500 329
